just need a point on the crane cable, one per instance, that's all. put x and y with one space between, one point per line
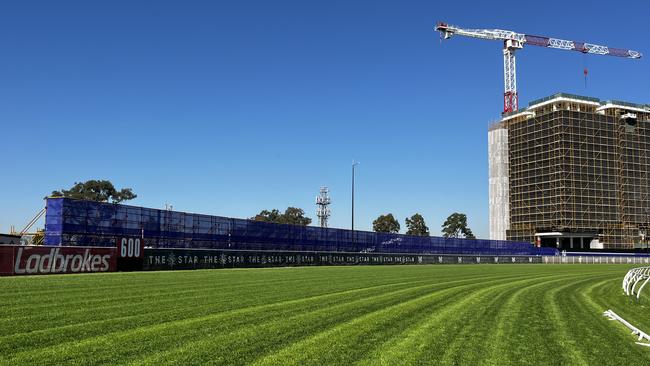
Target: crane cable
585 71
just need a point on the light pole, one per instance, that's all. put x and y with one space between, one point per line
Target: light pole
354 164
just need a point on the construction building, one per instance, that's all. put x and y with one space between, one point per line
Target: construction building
571 172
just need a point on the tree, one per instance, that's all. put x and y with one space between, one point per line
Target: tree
386 224
455 225
291 216
416 226
96 190
268 216
295 216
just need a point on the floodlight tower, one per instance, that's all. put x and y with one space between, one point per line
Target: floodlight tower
322 210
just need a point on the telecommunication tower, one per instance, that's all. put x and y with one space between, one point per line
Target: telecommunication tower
322 206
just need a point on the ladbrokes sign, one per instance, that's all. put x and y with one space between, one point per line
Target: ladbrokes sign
46 260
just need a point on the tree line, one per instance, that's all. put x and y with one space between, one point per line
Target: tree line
454 227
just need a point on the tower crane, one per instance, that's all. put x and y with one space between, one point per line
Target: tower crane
513 41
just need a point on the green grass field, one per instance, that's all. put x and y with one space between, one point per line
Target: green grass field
392 315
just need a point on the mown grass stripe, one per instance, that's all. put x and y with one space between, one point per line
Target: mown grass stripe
427 341
166 327
265 336
59 334
487 314
523 315
136 305
333 345
74 293
559 333
257 337
583 313
464 346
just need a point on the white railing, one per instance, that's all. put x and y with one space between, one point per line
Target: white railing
595 260
643 336
634 277
633 283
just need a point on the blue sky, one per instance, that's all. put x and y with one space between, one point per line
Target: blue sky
228 108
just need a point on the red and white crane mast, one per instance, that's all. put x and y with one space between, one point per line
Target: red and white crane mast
513 41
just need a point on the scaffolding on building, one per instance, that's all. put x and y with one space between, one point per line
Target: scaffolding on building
577 172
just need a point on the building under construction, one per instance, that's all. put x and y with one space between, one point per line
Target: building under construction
571 172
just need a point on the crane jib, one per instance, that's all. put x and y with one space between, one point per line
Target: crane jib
542 41
580 46
514 41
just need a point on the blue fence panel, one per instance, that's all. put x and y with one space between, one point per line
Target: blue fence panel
53 222
77 222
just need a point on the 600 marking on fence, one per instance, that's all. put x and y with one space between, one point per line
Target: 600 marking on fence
130 247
